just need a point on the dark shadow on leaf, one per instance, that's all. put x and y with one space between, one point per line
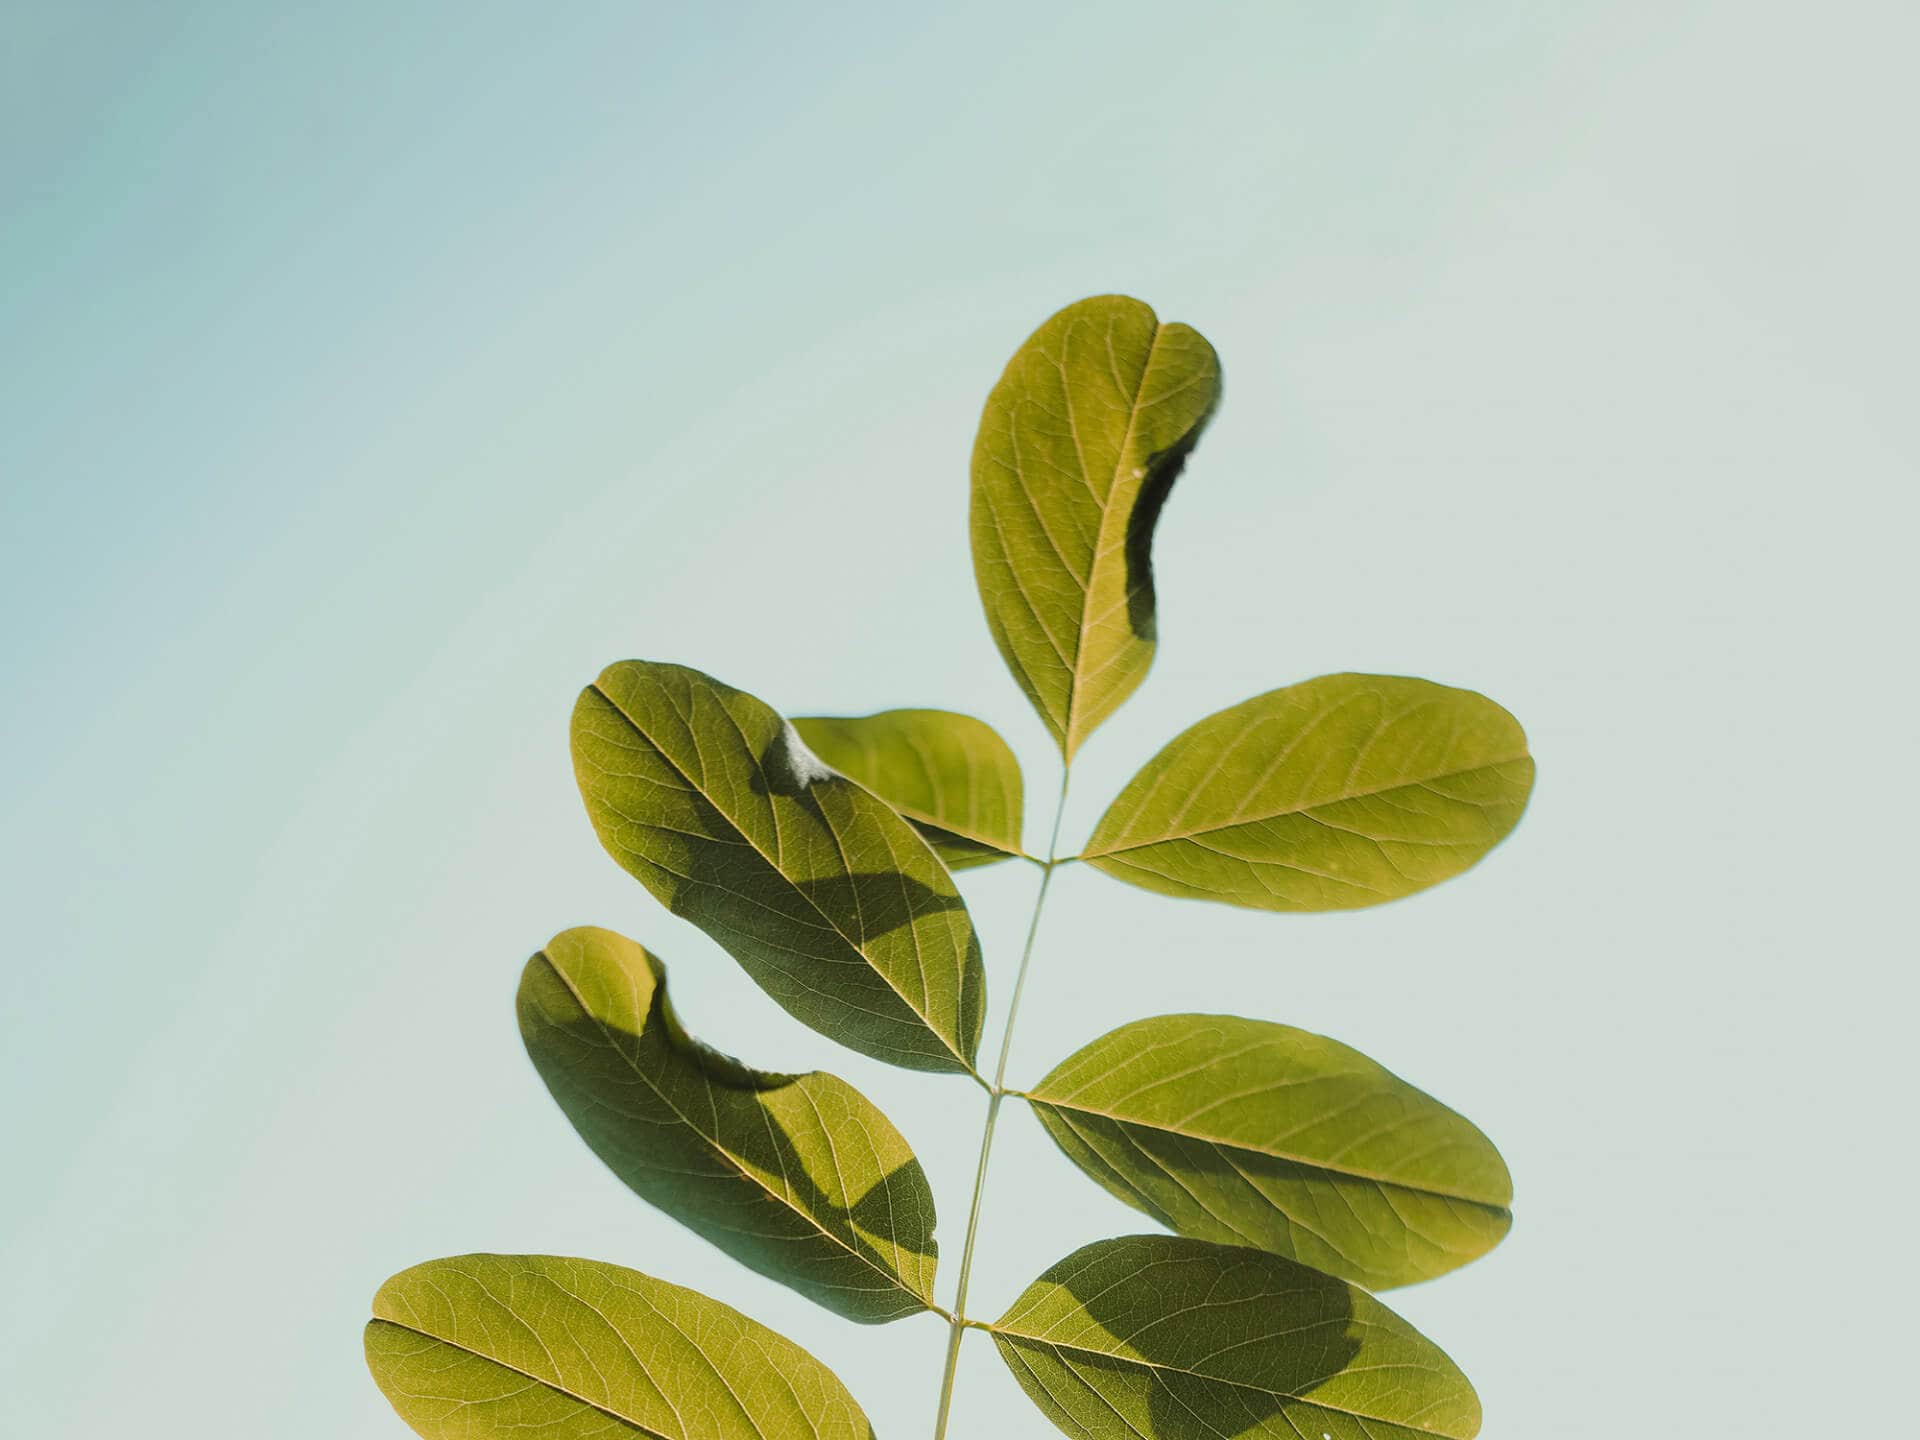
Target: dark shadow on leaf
1197 1323
958 852
797 936
1162 470
636 1100
732 887
873 904
784 933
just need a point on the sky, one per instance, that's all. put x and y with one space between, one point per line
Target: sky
371 375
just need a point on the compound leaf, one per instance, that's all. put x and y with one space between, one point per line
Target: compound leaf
952 776
1078 447
828 899
799 1177
1174 1339
1345 791
1256 1134
500 1347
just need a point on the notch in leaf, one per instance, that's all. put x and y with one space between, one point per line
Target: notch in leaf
1079 445
1166 1338
950 776
1344 791
1251 1133
828 899
500 1347
799 1177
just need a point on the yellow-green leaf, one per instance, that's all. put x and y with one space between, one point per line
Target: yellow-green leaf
799 1177
503 1347
1344 791
827 898
1157 1337
1251 1133
952 776
1078 447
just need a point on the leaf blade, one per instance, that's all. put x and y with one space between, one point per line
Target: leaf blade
475 1347
1246 1132
799 1177
1079 444
951 776
1340 792
1277 1351
832 903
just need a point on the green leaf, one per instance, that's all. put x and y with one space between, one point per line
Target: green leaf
799 1177
829 900
1078 447
1341 792
501 1347
951 776
1174 1339
1251 1133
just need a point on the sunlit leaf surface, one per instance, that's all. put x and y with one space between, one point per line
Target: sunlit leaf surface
1078 447
1344 791
951 776
505 1347
1251 1133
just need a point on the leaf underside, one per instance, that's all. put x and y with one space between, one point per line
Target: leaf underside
1079 444
950 776
799 1177
501 1347
1344 791
1175 1339
1251 1133
827 898
1297 1173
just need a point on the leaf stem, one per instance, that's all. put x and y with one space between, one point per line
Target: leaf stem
959 1323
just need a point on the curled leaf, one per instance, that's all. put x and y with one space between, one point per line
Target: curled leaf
799 1177
1078 448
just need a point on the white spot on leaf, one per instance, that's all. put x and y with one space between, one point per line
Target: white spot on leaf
808 768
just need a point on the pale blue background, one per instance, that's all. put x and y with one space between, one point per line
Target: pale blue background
371 374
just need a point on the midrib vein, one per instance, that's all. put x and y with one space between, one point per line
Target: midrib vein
1305 806
1094 566
1310 1162
739 1165
512 1369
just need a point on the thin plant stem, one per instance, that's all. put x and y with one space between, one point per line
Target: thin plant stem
958 1321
